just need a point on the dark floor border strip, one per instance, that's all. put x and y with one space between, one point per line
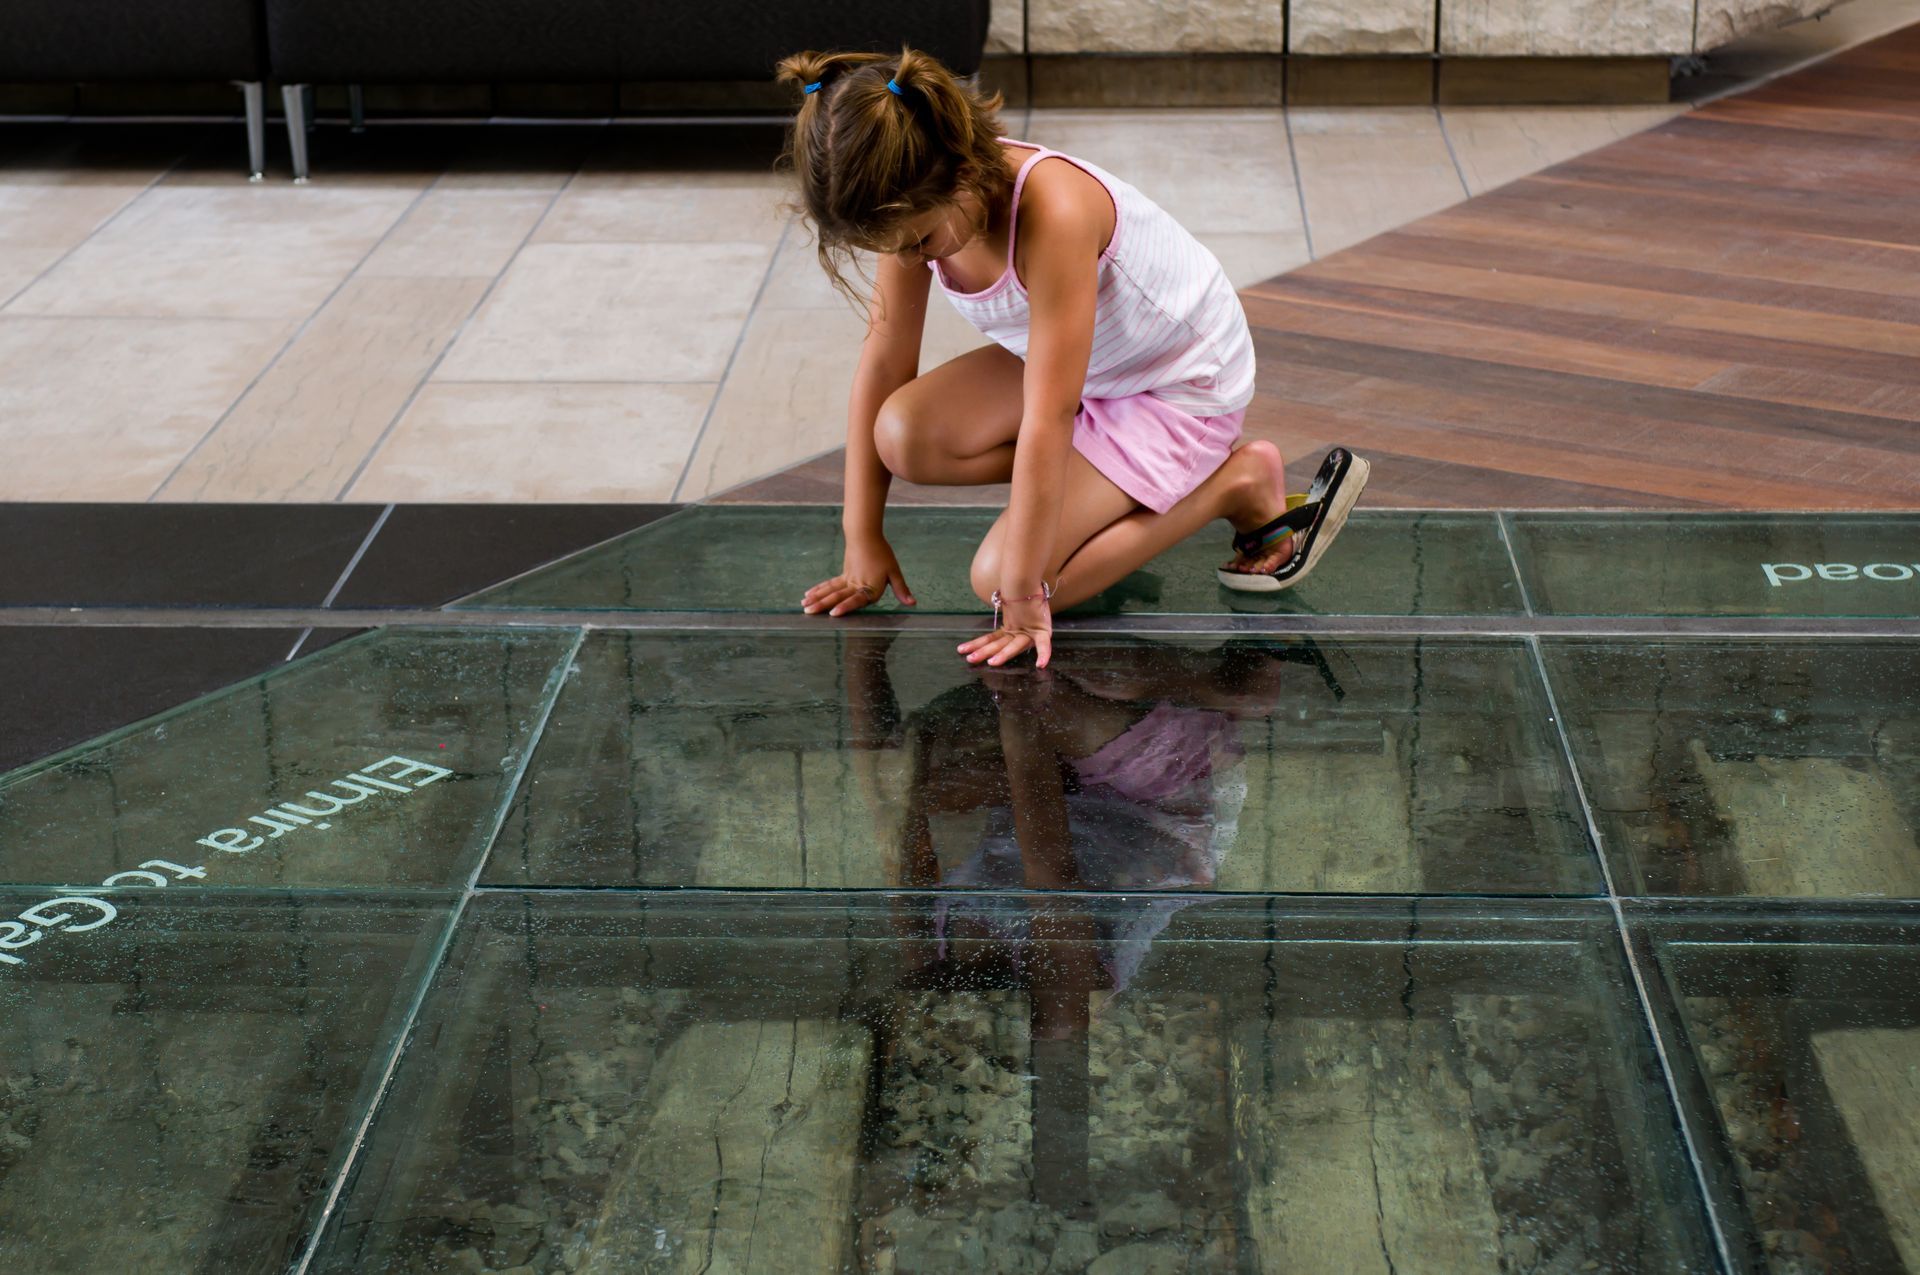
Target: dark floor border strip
1758 627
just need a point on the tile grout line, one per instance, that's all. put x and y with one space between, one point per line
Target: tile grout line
1299 186
1695 1160
113 217
733 356
458 332
292 340
1513 560
1440 118
435 962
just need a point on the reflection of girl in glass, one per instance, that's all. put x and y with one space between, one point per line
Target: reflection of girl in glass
1118 770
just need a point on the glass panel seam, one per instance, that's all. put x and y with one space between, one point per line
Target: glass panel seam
556 684
1641 995
563 560
1513 560
1764 628
354 561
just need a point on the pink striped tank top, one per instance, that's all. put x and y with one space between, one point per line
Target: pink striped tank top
1166 323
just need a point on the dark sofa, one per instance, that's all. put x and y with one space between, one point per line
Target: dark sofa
69 41
301 43
588 41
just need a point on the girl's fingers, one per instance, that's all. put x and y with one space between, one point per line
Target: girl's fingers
984 648
819 592
999 646
1012 647
830 595
899 582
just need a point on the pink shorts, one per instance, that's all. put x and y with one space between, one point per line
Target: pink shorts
1155 452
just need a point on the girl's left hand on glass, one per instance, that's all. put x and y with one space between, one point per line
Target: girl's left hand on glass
1025 624
866 571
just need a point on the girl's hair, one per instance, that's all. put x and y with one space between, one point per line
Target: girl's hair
868 159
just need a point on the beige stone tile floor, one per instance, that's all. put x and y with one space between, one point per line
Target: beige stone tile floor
565 313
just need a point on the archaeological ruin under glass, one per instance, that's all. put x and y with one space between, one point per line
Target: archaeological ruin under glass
1530 892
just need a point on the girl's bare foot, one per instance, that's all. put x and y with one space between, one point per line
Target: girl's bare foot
1258 496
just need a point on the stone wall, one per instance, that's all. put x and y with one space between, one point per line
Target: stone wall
1349 28
1340 28
1719 21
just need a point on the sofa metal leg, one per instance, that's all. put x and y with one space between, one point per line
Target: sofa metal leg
357 107
256 98
295 97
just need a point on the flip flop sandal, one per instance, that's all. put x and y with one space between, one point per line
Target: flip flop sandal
1315 520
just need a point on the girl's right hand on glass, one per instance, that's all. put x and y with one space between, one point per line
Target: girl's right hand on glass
864 576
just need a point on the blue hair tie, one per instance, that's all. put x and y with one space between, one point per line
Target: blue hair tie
811 87
894 87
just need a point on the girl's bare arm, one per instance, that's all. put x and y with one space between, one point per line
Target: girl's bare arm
1063 280
889 358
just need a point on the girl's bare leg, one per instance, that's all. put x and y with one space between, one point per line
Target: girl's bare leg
1247 491
955 425
1105 535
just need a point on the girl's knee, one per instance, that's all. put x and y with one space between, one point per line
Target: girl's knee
898 439
985 573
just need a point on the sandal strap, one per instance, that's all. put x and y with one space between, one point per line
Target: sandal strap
1299 518
1334 467
1302 516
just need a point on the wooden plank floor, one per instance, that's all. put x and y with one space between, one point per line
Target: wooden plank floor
1722 312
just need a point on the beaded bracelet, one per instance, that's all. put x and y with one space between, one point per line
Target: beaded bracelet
1046 593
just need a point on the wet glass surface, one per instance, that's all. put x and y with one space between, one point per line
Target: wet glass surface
1765 769
852 760
609 1083
179 1081
381 762
1720 564
740 558
1804 1035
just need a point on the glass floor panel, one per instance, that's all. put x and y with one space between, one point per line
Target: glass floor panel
851 760
181 1075
1720 564
1804 1038
739 558
604 1083
1761 769
381 761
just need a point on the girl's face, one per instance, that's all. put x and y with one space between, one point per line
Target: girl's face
942 231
